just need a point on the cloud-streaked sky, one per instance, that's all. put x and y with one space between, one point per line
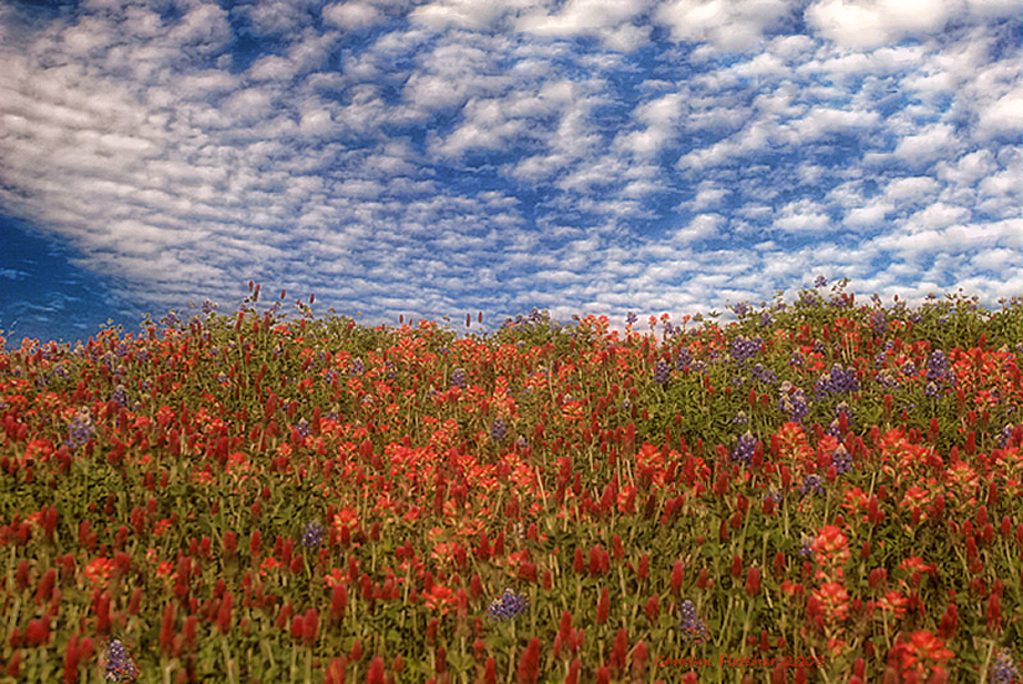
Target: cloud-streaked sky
436 157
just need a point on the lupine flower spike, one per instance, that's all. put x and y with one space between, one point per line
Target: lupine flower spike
694 630
313 535
121 665
1005 670
508 606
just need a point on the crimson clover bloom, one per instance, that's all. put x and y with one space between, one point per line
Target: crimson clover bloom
694 630
121 665
508 606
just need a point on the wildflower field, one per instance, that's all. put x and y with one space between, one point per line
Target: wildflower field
823 491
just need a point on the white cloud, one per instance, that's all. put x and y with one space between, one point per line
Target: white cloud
462 14
802 216
871 214
608 20
277 17
1004 117
351 16
916 189
731 24
867 24
933 143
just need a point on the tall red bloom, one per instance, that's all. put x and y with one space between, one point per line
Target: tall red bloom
603 606
529 665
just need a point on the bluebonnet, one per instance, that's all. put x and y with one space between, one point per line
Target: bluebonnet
837 381
806 547
812 484
694 630
766 321
741 418
120 396
81 430
662 374
938 371
498 430
743 451
313 534
764 375
821 281
1005 670
121 666
685 358
631 319
833 428
1005 435
740 309
535 319
357 368
792 400
209 307
744 348
458 378
796 359
908 369
170 320
808 298
304 429
508 606
842 460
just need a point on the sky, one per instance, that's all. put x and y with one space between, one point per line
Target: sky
430 158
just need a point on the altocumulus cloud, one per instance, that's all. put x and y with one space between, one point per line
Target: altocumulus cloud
588 156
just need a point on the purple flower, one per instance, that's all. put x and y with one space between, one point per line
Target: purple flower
313 535
508 606
121 665
498 430
745 448
694 630
662 374
1005 670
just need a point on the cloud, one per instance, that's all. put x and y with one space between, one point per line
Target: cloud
419 158
931 144
611 21
867 24
352 16
732 25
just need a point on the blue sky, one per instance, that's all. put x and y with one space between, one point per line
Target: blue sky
436 157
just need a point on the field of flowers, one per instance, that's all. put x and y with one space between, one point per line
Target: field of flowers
824 491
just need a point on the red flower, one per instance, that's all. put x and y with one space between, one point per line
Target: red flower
639 659
376 671
752 581
167 628
37 633
619 650
603 606
224 616
653 608
529 665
